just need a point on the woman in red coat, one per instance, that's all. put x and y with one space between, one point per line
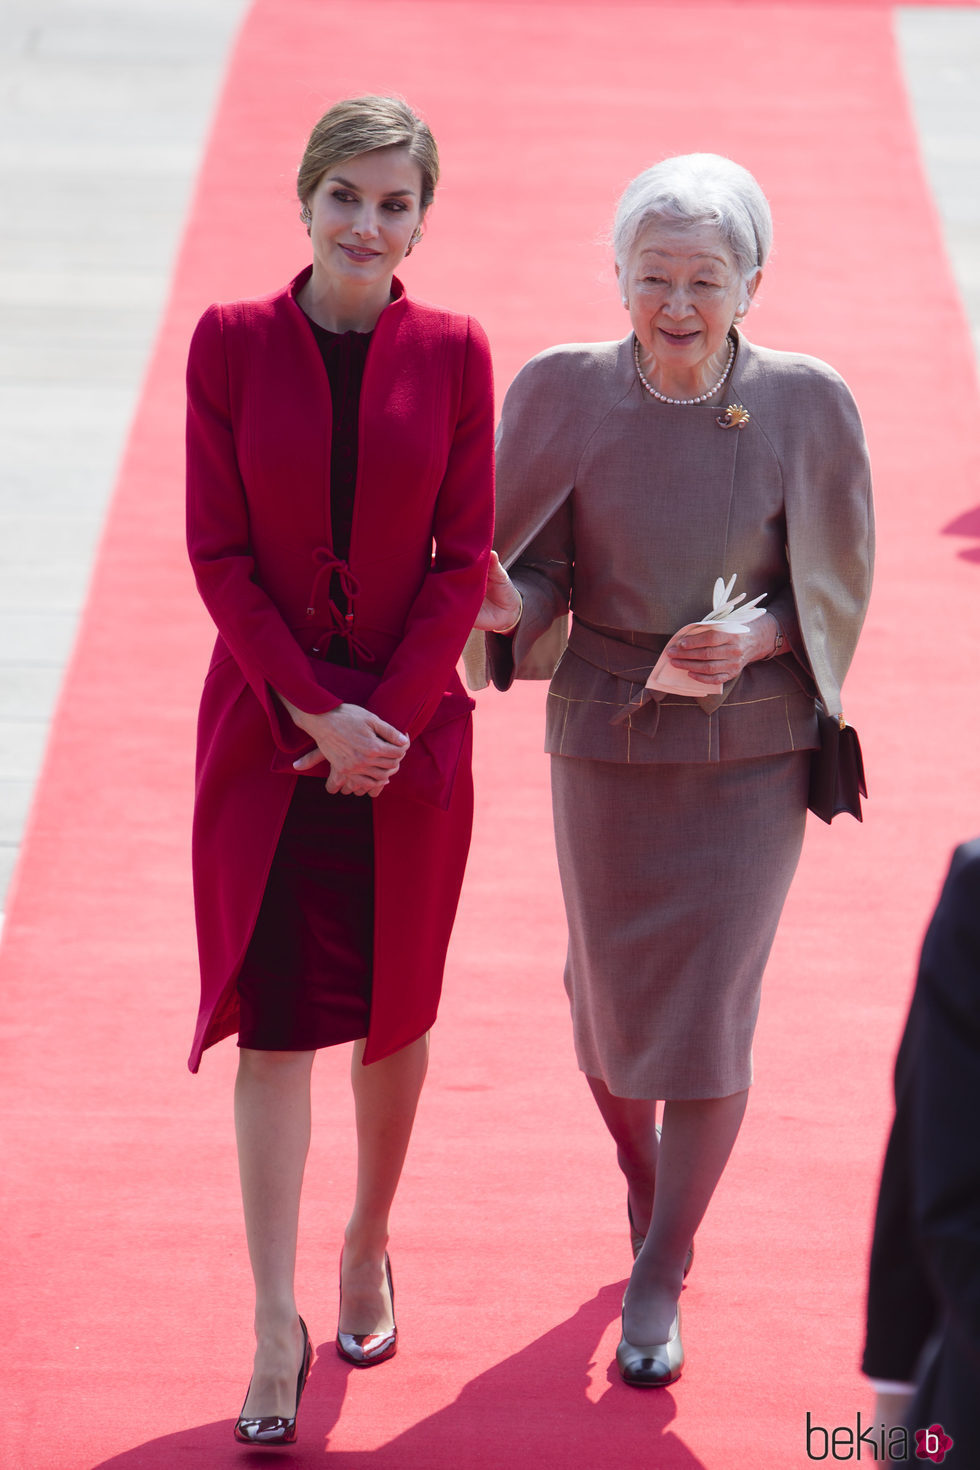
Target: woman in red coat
339 470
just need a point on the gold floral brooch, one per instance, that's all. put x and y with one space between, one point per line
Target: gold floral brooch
734 417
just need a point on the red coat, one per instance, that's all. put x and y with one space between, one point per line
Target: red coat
258 530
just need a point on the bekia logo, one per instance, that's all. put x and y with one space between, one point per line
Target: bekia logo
932 1444
875 1442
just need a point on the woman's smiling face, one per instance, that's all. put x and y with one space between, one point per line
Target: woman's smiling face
363 215
683 291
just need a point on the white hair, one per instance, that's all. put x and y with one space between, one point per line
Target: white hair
694 189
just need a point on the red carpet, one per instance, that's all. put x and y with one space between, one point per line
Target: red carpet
126 1291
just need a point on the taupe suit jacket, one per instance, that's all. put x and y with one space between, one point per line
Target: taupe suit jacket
627 509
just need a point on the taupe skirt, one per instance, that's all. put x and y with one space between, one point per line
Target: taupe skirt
674 877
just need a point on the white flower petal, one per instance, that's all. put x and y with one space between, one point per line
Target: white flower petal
726 612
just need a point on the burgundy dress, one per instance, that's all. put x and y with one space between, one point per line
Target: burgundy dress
306 978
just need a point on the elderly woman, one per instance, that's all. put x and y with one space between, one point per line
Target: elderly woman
339 515
631 475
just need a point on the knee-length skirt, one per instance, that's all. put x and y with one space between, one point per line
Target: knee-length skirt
306 978
674 877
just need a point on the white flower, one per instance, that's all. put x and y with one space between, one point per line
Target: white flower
725 611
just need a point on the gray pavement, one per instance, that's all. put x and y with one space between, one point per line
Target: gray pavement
940 50
103 111
104 106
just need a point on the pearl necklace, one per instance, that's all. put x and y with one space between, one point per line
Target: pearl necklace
682 402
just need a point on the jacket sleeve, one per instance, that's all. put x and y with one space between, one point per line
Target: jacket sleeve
926 1244
536 454
946 1098
543 576
218 542
901 1306
449 599
829 524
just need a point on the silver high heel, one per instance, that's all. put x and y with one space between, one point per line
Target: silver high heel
652 1365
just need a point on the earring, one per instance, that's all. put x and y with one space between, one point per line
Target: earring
306 217
416 237
626 302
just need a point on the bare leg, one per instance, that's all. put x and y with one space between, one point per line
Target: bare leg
272 1123
386 1095
697 1141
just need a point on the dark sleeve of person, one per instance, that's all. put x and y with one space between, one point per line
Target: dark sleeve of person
901 1308
946 1112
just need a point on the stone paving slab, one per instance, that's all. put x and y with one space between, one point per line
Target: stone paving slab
15 800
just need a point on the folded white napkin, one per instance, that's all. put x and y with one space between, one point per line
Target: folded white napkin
725 613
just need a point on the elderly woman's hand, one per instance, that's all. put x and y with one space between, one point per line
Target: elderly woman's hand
364 751
715 655
502 605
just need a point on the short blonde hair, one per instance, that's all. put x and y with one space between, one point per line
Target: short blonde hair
361 125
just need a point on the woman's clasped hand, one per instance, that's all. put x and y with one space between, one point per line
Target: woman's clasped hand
363 750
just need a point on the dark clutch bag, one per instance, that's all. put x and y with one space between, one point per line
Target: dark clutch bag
428 771
836 769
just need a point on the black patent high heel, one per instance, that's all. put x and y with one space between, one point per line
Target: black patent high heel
273 1430
366 1349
